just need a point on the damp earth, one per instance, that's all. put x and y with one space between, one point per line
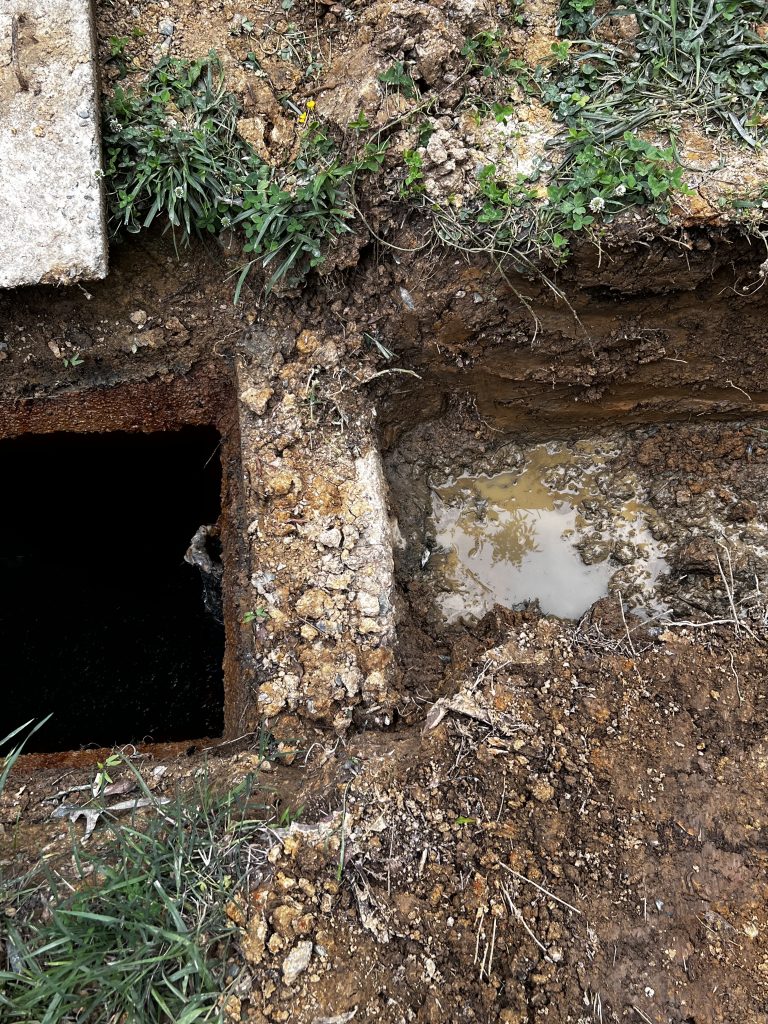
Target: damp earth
493 657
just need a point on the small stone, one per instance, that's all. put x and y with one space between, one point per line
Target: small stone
303 925
232 1008
138 317
436 151
177 329
283 917
309 632
542 790
256 400
368 603
278 618
287 752
368 626
624 553
253 940
235 912
339 582
282 482
326 355
165 27
307 342
330 538
312 604
297 961
375 687
291 845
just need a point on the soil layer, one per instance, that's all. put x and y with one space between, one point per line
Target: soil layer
519 819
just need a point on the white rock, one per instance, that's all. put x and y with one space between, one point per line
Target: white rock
330 538
297 961
436 151
368 604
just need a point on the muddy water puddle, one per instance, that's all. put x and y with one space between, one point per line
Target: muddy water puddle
544 531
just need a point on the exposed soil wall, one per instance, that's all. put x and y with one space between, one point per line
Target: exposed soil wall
616 764
509 820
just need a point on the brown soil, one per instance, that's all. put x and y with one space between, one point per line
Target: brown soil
535 819
661 859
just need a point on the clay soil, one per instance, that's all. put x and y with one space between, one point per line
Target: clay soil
563 821
559 821
624 778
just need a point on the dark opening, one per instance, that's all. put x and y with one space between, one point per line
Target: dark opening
102 622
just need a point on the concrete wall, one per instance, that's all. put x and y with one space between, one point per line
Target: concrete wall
52 208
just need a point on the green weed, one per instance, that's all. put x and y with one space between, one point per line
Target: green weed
8 759
143 936
172 150
514 220
413 183
700 58
171 147
361 123
257 615
600 180
576 18
289 224
488 54
397 78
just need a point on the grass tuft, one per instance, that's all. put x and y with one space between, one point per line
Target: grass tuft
142 937
171 148
8 760
703 59
172 151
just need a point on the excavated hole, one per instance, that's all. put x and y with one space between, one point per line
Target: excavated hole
103 622
518 520
671 516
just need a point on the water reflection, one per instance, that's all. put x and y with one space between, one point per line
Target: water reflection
511 537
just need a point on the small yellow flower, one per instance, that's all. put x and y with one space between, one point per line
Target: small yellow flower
303 118
310 104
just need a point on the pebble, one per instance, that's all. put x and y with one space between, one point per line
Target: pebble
138 317
256 400
165 27
368 604
297 961
542 790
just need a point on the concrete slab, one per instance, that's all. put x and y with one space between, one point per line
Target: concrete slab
52 209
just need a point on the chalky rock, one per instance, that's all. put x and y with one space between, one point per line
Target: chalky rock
52 215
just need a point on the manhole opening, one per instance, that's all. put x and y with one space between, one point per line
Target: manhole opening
103 623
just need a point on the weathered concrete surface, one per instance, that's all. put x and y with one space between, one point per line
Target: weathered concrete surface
52 214
321 570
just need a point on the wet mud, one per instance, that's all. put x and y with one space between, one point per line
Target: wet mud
514 811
